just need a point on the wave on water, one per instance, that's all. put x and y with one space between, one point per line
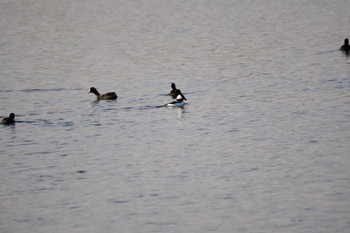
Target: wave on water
43 90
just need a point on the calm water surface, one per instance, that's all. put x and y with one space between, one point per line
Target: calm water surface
262 146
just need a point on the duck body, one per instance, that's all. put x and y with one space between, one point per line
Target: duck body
106 96
8 120
345 47
178 103
175 92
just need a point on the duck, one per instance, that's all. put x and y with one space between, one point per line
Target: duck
178 103
8 120
106 96
175 92
345 47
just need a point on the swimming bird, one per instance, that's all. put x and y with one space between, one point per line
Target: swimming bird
175 92
8 120
345 47
107 96
178 103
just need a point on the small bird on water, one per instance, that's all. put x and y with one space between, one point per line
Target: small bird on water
175 92
345 47
106 96
8 120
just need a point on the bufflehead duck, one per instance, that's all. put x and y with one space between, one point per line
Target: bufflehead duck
178 103
175 92
345 47
107 96
8 120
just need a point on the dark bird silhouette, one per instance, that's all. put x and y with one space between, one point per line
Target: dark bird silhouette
106 96
8 120
345 47
175 92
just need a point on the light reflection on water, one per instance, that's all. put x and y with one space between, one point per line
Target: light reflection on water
261 145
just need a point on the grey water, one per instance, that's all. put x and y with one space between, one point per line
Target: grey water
261 146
